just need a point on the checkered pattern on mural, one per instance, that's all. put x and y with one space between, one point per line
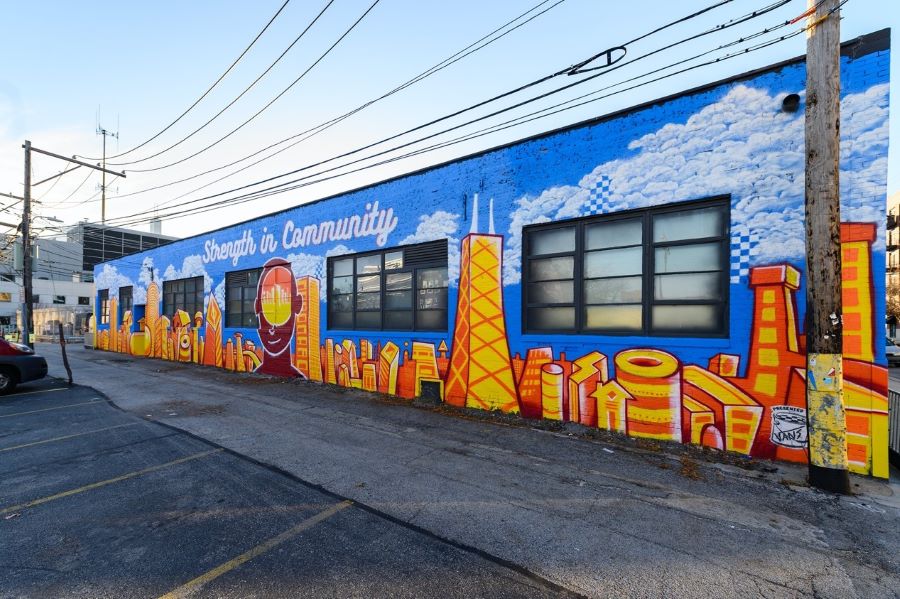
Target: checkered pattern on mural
598 199
744 244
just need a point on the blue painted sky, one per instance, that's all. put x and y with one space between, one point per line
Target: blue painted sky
138 66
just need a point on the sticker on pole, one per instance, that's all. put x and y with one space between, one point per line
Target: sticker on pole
789 426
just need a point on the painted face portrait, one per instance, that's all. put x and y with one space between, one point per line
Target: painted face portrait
277 305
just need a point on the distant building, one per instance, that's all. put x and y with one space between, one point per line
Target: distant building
892 260
102 243
63 275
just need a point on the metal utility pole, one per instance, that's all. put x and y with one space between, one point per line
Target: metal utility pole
27 305
26 251
105 134
824 343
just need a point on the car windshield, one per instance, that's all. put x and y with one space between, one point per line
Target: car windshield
891 343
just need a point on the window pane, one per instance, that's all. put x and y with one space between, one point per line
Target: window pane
398 320
368 264
681 258
393 260
234 307
398 300
552 268
551 241
683 319
435 320
430 299
613 318
699 286
370 283
399 280
613 263
368 320
553 292
341 303
339 320
368 301
430 278
614 234
613 291
250 320
233 293
342 285
551 318
341 268
689 224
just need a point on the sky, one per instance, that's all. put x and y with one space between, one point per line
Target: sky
133 68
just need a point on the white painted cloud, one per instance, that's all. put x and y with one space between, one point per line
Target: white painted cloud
110 278
742 145
439 225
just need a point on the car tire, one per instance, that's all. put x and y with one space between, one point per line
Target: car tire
8 380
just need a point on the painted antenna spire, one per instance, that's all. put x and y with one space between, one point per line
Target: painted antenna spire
474 227
491 216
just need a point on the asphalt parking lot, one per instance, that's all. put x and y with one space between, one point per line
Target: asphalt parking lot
97 502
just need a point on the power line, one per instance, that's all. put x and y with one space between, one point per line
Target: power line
755 14
198 100
459 55
74 191
280 189
238 97
272 101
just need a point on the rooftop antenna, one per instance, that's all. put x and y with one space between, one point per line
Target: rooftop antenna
105 134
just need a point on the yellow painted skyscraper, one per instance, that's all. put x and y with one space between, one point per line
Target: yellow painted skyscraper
308 359
481 373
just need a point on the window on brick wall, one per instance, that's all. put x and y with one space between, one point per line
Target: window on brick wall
183 294
240 298
103 300
656 271
402 288
126 299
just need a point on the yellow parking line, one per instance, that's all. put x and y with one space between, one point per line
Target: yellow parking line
193 585
64 437
39 391
71 405
103 483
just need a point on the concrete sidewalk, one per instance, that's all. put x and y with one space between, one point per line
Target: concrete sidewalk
607 517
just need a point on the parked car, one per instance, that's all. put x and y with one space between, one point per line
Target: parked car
892 351
19 364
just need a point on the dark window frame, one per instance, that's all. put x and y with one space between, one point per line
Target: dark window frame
244 316
647 275
413 266
103 302
57 301
84 300
126 292
172 295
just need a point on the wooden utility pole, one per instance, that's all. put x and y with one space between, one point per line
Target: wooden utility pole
26 250
824 343
28 304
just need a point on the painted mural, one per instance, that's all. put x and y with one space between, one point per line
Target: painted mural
744 393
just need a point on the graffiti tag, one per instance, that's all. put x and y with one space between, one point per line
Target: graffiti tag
789 426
